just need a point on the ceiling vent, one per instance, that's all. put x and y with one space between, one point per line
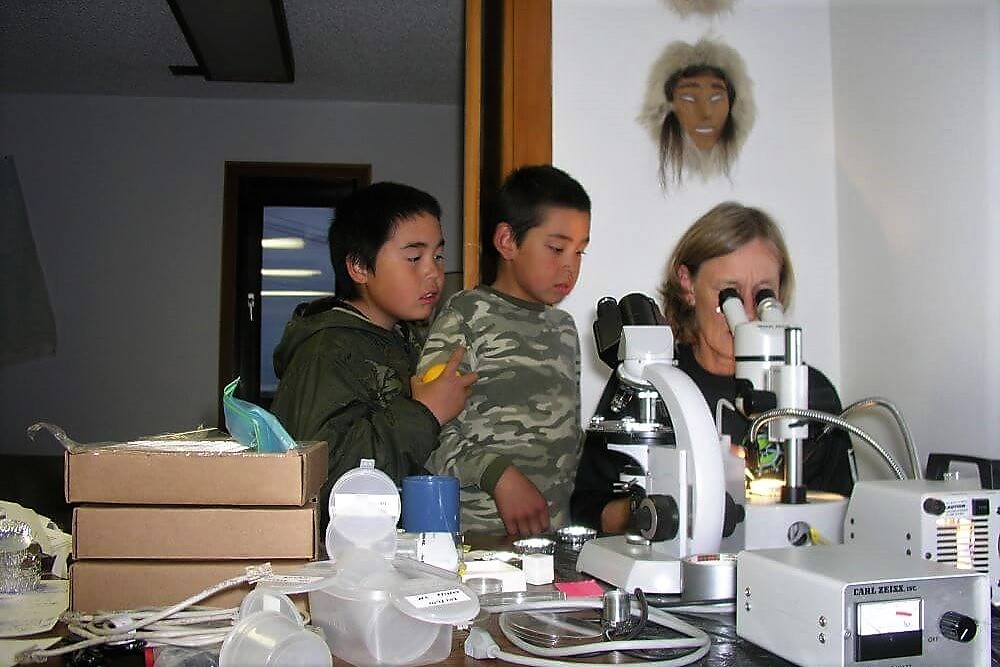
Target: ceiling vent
236 40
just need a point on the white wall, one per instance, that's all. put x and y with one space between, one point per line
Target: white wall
877 148
602 53
124 196
917 109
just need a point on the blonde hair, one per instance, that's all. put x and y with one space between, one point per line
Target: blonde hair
725 229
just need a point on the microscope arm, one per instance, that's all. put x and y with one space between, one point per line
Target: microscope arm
695 432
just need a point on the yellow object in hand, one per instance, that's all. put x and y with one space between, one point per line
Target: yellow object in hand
433 372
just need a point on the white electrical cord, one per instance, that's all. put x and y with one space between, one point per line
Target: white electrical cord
696 608
480 645
170 625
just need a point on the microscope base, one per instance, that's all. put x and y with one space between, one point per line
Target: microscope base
771 524
630 566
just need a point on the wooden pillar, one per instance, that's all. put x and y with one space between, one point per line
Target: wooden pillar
508 103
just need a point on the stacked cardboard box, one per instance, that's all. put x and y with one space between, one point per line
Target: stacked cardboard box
151 528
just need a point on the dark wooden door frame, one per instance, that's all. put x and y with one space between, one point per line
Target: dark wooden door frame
232 304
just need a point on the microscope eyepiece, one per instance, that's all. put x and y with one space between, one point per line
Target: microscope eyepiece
766 293
731 306
728 293
769 308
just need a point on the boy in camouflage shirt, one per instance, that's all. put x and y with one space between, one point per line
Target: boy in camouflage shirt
346 363
515 446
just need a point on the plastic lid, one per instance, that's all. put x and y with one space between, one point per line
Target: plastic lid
253 640
436 601
364 510
310 577
303 649
261 599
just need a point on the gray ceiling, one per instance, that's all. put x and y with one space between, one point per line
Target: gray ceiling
351 50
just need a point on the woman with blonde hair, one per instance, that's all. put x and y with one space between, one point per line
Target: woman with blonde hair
741 247
731 246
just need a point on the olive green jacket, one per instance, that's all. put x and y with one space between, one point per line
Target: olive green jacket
345 380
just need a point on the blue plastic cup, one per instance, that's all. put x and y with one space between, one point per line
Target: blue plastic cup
430 504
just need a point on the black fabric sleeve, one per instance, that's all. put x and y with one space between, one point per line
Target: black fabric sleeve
826 466
598 469
595 478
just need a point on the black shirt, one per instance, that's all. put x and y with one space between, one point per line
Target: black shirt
825 462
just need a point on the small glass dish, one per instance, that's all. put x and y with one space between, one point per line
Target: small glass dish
484 585
573 537
534 545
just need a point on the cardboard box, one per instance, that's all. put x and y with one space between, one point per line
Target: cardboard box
195 533
143 477
111 585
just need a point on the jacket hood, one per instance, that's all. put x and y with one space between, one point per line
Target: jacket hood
313 317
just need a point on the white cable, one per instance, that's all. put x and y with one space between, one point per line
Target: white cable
530 661
180 606
696 638
191 615
96 632
699 609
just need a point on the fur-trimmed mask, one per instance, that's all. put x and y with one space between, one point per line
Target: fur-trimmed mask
704 7
698 108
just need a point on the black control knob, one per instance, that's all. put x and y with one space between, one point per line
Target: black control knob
934 506
657 518
734 514
957 627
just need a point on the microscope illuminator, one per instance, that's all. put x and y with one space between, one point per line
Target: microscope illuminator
845 605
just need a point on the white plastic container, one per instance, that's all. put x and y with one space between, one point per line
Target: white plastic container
261 599
364 510
378 610
392 621
265 638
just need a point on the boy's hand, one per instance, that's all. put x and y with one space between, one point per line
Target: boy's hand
445 396
520 504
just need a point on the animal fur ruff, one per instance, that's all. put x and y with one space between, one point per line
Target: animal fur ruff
704 7
679 55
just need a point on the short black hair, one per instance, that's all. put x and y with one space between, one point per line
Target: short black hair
521 202
365 220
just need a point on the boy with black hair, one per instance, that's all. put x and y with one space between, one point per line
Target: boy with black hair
346 362
516 445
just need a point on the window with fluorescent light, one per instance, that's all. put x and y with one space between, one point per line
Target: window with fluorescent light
275 256
295 267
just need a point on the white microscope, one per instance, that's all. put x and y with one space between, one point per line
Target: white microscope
680 464
692 487
771 375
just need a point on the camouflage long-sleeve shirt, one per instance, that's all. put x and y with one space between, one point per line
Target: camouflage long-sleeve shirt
525 406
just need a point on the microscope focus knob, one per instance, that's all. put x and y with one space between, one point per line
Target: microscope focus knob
657 518
957 627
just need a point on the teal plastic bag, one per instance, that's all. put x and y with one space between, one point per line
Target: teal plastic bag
252 425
